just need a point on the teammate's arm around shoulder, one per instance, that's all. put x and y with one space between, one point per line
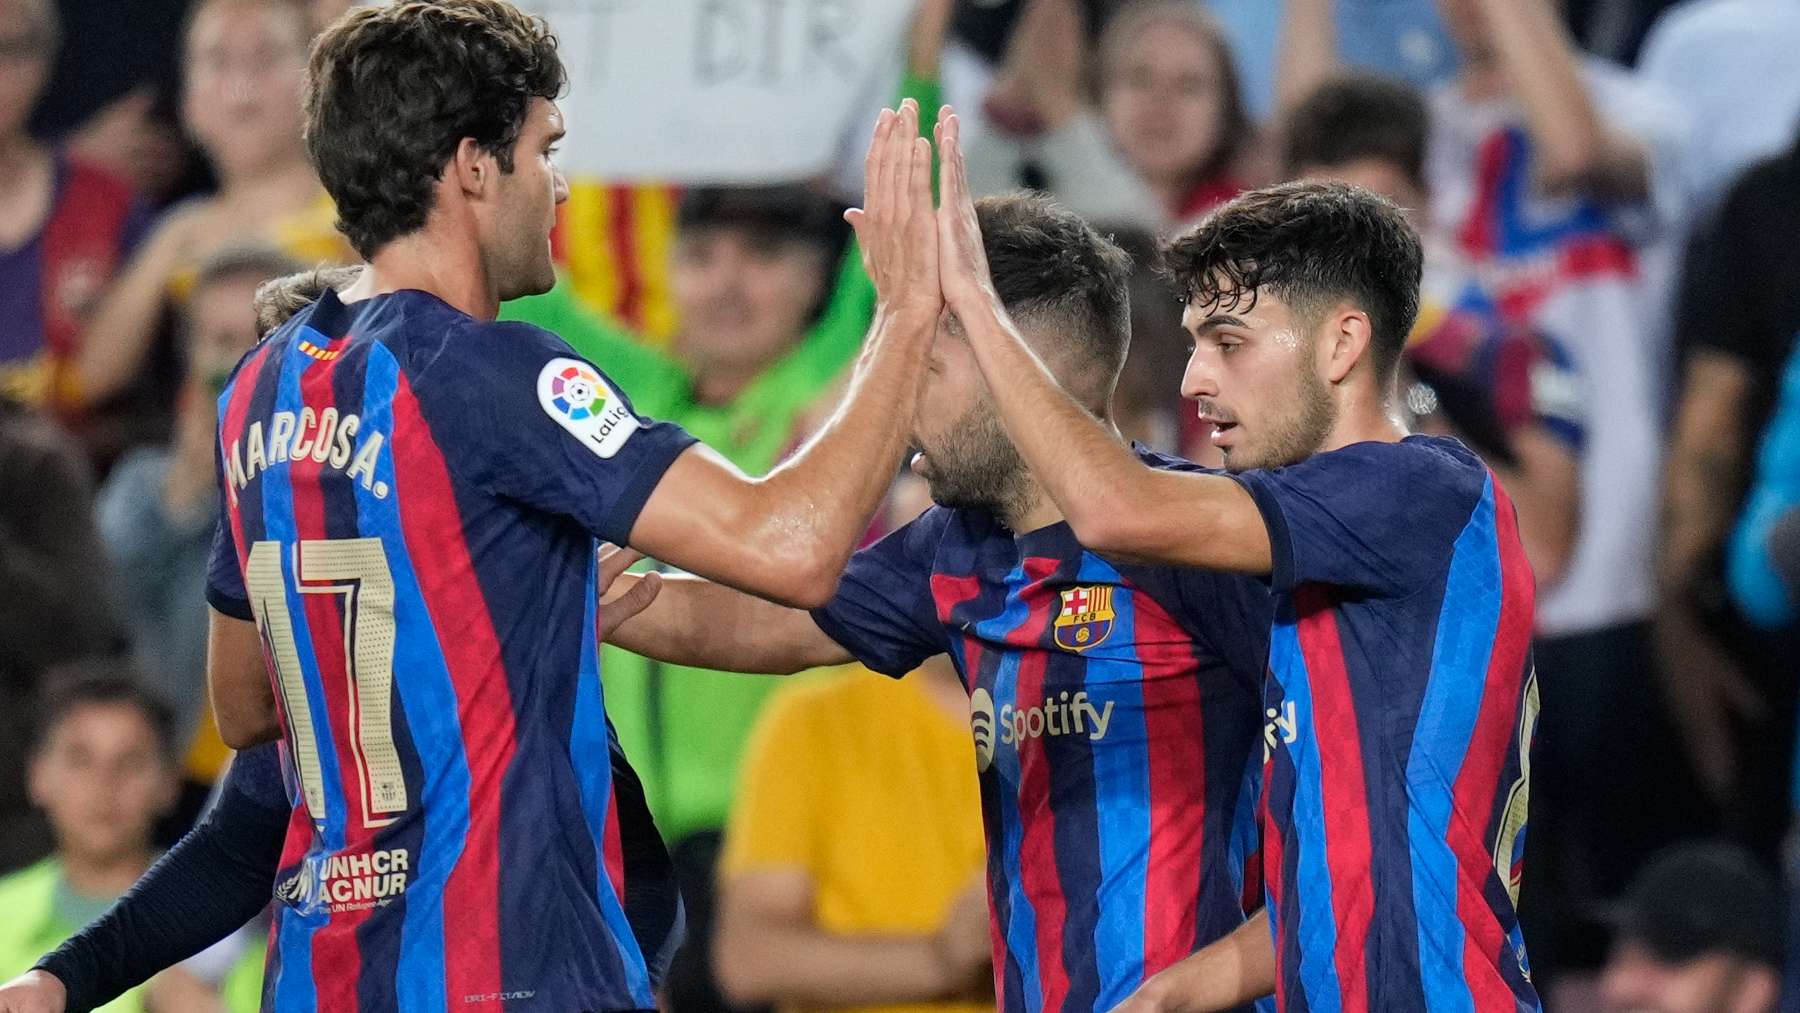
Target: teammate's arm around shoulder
787 536
695 622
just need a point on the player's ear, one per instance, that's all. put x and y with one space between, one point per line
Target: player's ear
1346 341
473 169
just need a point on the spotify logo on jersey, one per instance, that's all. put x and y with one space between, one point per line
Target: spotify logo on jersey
981 711
1063 713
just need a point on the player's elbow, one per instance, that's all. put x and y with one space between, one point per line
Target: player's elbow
806 577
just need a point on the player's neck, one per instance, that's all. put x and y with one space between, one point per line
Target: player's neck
1033 508
1367 422
103 875
428 262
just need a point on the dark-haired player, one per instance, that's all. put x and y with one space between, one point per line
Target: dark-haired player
1114 705
1400 700
412 497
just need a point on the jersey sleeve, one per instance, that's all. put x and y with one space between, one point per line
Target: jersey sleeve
1374 518
548 428
883 612
224 578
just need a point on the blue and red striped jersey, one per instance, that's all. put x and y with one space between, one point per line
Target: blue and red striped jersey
412 498
1115 713
1401 705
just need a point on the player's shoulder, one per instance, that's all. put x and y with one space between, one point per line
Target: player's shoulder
1427 471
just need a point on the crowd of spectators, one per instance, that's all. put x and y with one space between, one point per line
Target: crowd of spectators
1608 191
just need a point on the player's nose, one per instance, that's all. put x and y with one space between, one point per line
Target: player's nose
562 186
1199 379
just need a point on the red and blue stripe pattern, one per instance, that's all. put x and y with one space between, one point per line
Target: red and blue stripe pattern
513 898
1388 801
1119 790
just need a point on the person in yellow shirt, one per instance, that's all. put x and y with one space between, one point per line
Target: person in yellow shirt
852 865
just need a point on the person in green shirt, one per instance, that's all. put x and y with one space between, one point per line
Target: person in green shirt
103 770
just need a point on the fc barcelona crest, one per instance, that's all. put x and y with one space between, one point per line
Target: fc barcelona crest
1086 617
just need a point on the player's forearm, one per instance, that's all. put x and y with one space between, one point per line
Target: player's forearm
816 506
1575 147
1231 972
701 624
762 962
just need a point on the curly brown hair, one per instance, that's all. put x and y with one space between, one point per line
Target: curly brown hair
1311 244
392 91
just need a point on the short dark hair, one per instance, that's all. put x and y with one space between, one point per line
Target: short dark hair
1050 266
1311 244
1353 117
99 682
393 89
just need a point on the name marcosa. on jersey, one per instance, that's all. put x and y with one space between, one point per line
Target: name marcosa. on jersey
324 437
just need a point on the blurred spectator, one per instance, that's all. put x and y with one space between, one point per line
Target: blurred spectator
1555 178
65 226
103 769
57 605
158 508
1511 394
245 72
1738 313
1158 141
1699 932
852 871
1732 62
1552 182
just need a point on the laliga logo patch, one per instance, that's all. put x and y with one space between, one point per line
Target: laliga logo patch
581 402
574 391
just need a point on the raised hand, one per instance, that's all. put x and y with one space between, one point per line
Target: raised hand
895 226
962 261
